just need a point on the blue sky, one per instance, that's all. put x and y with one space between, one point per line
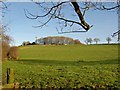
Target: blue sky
105 23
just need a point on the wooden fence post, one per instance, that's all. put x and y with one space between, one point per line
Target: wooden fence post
10 76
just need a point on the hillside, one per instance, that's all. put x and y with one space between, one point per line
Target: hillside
69 52
70 66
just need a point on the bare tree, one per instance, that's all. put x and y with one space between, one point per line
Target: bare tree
5 40
54 10
88 40
96 40
108 39
5 43
3 27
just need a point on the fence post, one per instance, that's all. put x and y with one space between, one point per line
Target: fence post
10 76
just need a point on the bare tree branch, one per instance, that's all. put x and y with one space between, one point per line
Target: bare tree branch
116 33
115 7
67 20
54 11
4 6
37 16
47 20
73 31
78 11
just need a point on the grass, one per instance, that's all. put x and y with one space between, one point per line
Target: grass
71 66
70 52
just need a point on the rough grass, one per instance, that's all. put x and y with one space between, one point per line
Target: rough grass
71 66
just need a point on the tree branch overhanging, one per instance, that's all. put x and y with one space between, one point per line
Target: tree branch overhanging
38 16
116 33
3 6
111 8
80 15
55 12
58 15
47 20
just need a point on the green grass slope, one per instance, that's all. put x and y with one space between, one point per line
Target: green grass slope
70 66
70 52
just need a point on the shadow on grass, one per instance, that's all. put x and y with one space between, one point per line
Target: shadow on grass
65 63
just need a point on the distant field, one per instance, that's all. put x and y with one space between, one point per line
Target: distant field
70 52
67 66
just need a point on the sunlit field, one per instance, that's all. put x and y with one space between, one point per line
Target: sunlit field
65 66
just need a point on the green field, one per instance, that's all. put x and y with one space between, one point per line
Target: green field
70 66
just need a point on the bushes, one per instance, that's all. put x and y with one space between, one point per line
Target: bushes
5 49
9 52
13 53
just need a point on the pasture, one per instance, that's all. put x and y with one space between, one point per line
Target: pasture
65 66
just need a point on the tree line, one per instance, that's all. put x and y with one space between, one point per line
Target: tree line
61 40
53 40
96 40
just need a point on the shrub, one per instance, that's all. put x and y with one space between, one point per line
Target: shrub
5 49
33 43
13 53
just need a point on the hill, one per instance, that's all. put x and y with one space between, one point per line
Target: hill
70 66
69 52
